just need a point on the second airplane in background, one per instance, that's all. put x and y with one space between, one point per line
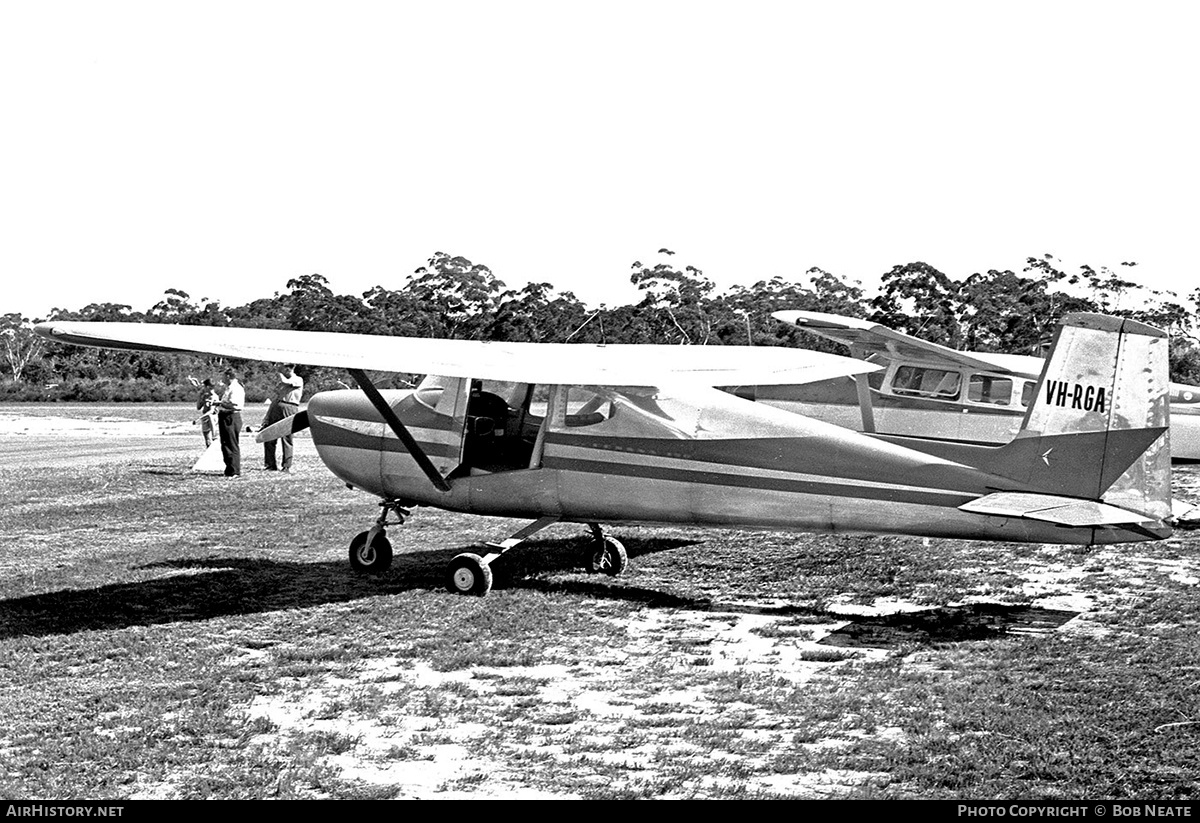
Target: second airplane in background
931 391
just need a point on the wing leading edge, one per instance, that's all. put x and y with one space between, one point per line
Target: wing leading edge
554 363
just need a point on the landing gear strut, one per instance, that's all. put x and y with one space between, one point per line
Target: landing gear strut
371 551
471 574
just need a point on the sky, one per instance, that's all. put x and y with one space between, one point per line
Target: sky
223 148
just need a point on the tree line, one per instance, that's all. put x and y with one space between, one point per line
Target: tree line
453 297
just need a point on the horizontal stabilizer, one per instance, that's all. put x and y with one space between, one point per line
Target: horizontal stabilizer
1063 511
288 425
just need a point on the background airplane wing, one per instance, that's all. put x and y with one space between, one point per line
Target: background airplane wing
866 338
555 363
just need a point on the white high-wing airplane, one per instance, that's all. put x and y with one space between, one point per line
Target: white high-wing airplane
639 435
927 390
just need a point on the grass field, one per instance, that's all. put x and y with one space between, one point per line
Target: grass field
166 634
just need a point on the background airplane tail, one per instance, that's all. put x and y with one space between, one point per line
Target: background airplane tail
1098 426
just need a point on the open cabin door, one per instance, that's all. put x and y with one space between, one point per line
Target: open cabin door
487 426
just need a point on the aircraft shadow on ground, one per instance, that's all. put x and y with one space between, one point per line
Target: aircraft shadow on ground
227 586
948 624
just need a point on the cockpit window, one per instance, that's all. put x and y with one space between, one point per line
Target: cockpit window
918 381
429 393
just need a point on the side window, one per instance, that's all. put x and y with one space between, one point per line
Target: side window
918 381
986 388
586 408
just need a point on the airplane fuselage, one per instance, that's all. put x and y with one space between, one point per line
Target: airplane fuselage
739 465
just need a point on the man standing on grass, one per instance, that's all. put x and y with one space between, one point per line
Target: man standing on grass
284 404
229 423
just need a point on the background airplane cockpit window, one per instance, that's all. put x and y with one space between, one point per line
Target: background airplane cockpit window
987 388
918 381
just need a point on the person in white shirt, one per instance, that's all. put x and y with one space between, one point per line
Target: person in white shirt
284 404
229 423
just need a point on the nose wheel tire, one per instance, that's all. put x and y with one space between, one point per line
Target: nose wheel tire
370 558
607 556
468 574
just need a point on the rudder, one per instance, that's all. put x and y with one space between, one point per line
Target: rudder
1107 376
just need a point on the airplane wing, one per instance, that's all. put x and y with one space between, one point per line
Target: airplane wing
866 338
554 363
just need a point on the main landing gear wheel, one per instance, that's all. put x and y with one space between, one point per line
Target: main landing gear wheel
373 558
468 574
606 555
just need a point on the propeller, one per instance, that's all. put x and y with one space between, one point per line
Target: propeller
288 425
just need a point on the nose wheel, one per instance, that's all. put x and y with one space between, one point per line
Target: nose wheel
605 555
371 551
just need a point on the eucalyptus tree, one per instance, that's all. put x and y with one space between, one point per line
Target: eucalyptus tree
675 301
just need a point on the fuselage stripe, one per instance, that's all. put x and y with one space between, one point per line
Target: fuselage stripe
331 435
847 489
753 469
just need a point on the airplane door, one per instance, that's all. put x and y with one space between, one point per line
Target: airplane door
502 424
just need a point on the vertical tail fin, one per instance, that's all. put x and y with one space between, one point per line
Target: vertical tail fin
1100 415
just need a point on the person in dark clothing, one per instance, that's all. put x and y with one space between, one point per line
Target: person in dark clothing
229 423
284 404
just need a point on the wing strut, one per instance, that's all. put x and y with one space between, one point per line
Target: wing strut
864 403
393 421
